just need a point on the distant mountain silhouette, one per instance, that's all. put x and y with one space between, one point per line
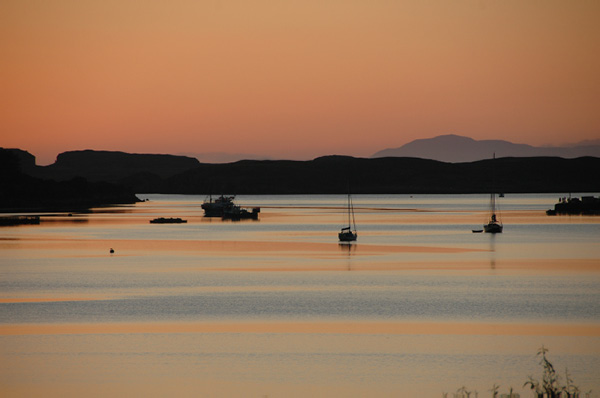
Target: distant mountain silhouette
455 148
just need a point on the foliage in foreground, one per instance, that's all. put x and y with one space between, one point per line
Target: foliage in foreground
549 387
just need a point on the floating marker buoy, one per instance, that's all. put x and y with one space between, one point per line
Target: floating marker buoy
111 250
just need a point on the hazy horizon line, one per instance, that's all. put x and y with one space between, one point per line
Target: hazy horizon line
219 157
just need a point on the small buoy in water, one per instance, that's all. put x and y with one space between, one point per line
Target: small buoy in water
112 250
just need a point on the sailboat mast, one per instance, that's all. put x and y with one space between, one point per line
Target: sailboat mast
349 221
352 210
493 198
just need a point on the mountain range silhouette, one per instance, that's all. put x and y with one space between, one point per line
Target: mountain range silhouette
456 148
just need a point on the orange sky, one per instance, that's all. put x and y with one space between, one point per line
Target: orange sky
296 78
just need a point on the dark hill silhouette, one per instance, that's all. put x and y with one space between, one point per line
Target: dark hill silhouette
455 148
22 192
330 174
21 160
114 166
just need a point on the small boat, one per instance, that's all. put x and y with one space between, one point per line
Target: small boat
349 234
477 231
162 220
494 225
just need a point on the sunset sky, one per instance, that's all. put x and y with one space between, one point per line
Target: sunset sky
294 79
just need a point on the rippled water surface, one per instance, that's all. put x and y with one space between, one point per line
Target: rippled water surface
419 305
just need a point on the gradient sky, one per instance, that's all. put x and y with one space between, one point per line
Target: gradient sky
294 79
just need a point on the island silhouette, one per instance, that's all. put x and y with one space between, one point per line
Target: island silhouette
90 178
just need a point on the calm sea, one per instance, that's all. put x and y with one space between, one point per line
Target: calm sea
418 306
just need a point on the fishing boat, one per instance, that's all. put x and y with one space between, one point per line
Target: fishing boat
349 234
493 225
217 207
225 208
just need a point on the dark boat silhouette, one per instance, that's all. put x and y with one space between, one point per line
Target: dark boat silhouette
588 205
225 208
217 207
162 220
494 225
239 213
19 220
349 234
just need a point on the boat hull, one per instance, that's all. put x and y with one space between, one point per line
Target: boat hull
168 221
347 236
217 207
238 213
493 228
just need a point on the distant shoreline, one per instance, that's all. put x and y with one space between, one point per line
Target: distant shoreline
87 178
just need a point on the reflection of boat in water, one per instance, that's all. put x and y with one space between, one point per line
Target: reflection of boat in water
217 207
162 220
494 225
239 213
349 234
19 220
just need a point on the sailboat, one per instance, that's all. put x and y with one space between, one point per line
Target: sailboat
349 234
494 225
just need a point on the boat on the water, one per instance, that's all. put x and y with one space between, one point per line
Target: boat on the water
587 205
494 225
19 220
218 206
349 234
162 220
239 213
225 208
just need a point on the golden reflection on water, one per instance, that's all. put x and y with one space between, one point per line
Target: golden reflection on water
222 246
390 328
239 358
